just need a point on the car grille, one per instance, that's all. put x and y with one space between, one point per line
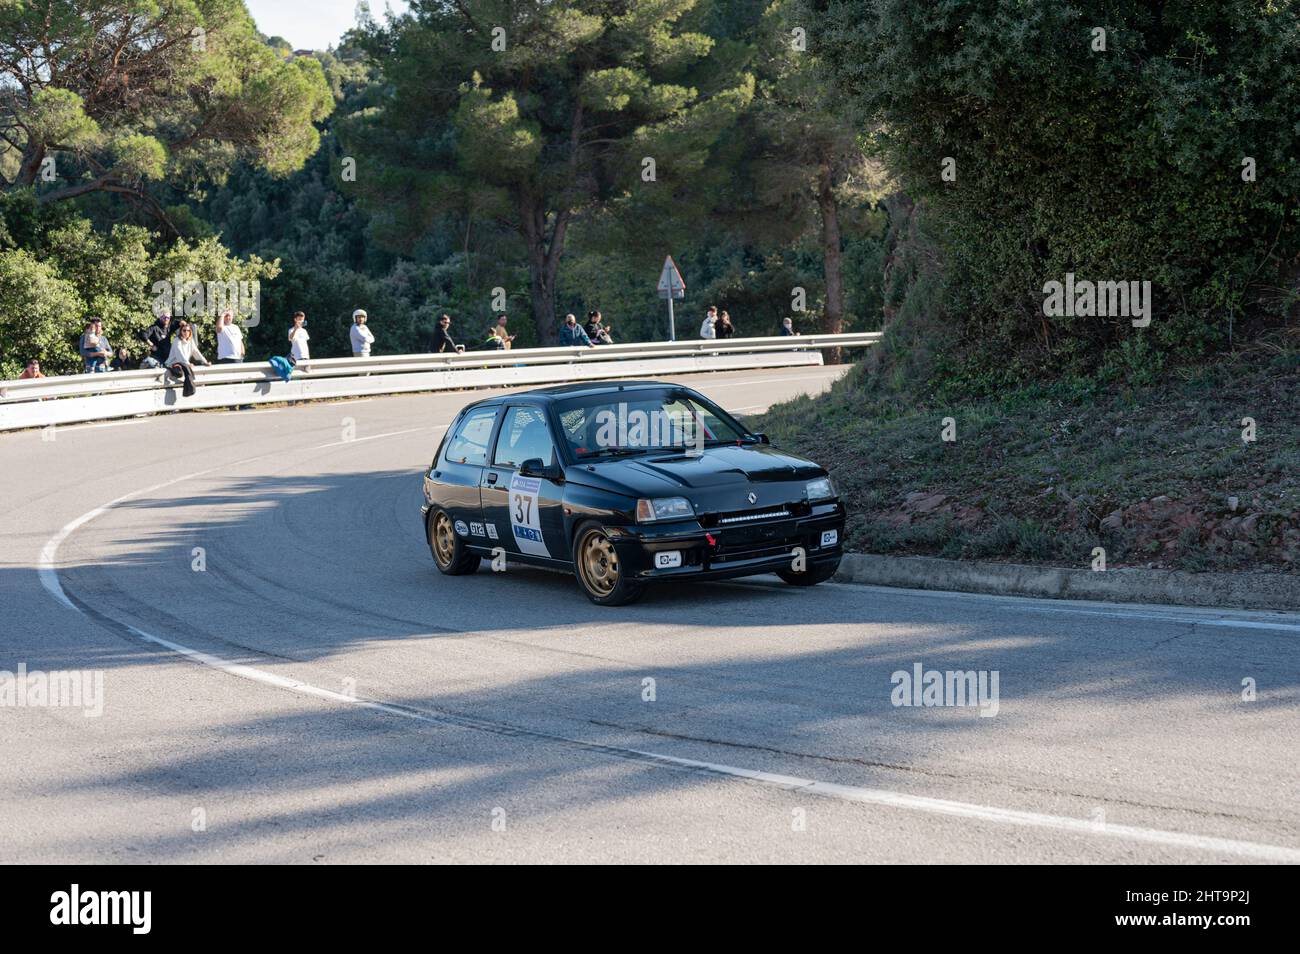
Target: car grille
735 518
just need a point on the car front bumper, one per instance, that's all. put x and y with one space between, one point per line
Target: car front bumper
720 553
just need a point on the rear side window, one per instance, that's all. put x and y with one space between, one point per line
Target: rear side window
470 442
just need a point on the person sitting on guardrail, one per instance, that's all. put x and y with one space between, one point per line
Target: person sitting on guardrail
94 348
572 335
298 338
442 341
230 340
597 333
33 370
185 352
787 327
724 327
158 337
507 339
361 336
707 327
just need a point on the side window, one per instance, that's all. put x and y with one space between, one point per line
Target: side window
469 444
524 435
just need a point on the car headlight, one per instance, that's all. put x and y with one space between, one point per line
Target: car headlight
663 508
820 489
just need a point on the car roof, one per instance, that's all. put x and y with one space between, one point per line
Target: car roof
556 392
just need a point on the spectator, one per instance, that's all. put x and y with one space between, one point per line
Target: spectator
158 337
787 327
184 353
442 340
493 340
121 360
230 340
571 335
724 327
33 370
507 339
707 329
94 348
298 338
596 332
362 337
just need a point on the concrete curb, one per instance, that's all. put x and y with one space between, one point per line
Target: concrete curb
1176 587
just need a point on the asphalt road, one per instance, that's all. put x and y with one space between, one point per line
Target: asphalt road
286 678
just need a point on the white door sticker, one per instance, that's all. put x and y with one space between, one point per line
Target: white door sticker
525 521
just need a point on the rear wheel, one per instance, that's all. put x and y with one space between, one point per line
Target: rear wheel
818 573
450 554
599 572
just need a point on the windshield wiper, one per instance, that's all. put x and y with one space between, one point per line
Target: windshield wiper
616 452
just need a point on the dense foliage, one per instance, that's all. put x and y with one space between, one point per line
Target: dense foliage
1127 163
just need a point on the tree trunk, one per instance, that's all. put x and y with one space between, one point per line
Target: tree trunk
544 254
832 267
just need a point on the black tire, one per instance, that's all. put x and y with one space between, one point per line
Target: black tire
450 555
595 564
817 573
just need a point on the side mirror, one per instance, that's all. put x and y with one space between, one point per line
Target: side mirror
533 467
763 438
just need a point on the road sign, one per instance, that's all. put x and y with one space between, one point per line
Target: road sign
671 284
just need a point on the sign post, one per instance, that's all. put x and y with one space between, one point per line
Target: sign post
671 286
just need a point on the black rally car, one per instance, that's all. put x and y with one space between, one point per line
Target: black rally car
626 484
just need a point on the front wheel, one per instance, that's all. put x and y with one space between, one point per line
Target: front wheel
450 554
818 573
599 572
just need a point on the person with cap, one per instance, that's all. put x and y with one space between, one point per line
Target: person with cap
572 334
362 337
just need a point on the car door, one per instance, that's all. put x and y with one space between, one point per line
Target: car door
458 473
526 513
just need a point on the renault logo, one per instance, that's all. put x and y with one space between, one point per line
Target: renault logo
753 498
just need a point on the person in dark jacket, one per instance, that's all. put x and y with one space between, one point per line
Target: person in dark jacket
121 361
158 337
598 333
725 328
787 327
442 340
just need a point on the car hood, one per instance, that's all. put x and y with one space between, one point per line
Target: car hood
711 478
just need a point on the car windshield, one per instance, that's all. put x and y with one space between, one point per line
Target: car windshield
613 424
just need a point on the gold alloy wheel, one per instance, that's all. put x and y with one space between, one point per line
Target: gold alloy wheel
444 540
598 563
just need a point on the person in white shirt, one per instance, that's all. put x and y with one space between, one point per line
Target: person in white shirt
706 329
362 337
298 338
184 355
230 340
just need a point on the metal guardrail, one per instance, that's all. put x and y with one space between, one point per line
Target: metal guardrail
84 397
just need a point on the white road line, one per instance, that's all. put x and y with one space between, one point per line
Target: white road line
375 437
49 576
1038 604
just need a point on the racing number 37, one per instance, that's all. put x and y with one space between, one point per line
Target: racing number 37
523 509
